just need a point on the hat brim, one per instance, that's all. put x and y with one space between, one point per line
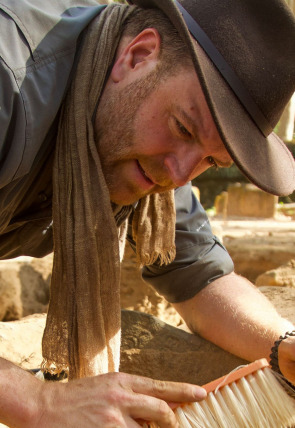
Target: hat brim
266 162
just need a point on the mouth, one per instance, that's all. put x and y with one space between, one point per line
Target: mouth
145 176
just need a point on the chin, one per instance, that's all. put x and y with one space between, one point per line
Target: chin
123 199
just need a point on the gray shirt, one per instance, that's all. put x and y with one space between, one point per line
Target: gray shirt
38 46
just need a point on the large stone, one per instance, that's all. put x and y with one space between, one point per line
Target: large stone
11 307
254 255
257 246
155 349
283 276
246 200
24 287
220 204
20 341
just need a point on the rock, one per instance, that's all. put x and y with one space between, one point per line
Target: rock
20 341
283 276
10 295
246 200
24 287
35 289
220 204
256 253
155 349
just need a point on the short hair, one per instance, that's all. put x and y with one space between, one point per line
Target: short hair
174 51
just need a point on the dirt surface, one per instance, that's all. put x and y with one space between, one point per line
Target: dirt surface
283 298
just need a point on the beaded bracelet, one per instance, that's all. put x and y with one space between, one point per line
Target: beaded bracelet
274 362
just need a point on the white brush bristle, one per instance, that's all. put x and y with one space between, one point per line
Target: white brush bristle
255 401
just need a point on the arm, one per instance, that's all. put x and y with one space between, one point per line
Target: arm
18 394
114 399
234 315
221 306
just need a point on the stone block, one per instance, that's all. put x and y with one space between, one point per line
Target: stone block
11 307
152 348
220 204
283 276
24 287
254 255
196 191
246 200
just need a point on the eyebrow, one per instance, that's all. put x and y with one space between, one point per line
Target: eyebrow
189 120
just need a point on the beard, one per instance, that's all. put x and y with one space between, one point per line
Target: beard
114 132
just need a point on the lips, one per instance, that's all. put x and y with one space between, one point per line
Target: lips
144 174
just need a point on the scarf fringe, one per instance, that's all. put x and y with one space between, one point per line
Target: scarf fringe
163 257
50 366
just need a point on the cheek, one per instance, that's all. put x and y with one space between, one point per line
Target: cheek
152 135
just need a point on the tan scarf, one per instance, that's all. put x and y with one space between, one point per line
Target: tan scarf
82 334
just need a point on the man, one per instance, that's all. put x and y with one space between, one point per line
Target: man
135 122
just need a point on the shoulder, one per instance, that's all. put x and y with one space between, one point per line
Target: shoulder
33 31
50 24
38 43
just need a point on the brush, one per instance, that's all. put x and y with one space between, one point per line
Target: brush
251 396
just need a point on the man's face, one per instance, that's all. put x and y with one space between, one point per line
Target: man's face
155 135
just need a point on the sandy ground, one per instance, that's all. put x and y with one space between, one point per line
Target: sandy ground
238 227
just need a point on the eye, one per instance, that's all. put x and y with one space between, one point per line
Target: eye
182 129
212 162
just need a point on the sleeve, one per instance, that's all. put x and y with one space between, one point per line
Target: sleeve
200 256
12 124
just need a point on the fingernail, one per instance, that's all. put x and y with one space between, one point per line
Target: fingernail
200 393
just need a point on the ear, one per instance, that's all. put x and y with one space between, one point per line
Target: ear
139 55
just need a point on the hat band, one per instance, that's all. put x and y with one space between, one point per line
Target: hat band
226 71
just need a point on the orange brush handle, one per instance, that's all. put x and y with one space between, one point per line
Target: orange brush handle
236 375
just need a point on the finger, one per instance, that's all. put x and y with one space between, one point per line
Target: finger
173 406
168 391
147 408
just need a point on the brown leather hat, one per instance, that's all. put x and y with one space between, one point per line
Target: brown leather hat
245 59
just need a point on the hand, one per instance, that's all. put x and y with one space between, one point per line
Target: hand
286 355
114 400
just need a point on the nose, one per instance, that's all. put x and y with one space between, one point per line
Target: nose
185 165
